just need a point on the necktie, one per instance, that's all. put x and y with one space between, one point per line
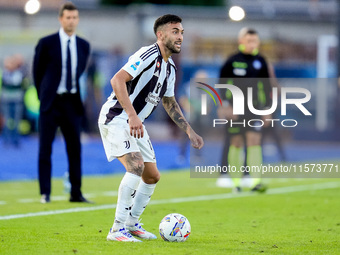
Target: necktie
68 68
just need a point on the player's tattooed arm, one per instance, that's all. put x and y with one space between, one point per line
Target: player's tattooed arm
174 111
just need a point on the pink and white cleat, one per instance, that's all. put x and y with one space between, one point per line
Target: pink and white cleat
140 232
122 235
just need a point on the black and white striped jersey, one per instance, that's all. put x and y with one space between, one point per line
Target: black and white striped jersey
152 79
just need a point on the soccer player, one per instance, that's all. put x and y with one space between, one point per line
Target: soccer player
249 64
147 78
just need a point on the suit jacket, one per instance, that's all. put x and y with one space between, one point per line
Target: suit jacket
47 67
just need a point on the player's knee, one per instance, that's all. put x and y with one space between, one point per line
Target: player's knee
152 179
136 168
134 163
157 177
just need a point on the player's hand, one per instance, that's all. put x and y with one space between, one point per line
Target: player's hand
196 141
136 127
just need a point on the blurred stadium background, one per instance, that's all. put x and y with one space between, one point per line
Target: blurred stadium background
299 38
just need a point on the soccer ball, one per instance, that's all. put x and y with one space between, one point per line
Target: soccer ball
174 228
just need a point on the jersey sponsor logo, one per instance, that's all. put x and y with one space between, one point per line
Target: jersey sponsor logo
135 65
153 99
239 72
241 65
257 64
127 144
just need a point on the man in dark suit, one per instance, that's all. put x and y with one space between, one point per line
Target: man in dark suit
59 61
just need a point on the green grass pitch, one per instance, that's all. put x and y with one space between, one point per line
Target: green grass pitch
295 216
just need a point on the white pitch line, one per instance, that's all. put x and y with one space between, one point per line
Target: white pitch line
282 190
64 198
27 200
34 200
110 193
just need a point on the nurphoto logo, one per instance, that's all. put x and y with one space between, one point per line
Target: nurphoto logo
240 101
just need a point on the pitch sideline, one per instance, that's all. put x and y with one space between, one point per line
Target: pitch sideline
273 191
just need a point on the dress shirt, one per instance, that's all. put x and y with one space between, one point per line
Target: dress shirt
73 49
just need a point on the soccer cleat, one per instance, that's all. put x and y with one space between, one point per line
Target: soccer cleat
246 182
237 190
80 199
260 188
140 232
45 199
122 235
224 182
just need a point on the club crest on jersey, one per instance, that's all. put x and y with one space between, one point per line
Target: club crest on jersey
257 64
158 64
135 65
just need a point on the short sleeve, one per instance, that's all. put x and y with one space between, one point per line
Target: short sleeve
140 60
170 91
134 66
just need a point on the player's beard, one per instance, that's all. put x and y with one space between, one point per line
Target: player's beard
171 46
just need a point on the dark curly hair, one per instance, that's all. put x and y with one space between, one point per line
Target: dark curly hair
165 19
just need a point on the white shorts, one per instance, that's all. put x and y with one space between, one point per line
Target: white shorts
117 141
